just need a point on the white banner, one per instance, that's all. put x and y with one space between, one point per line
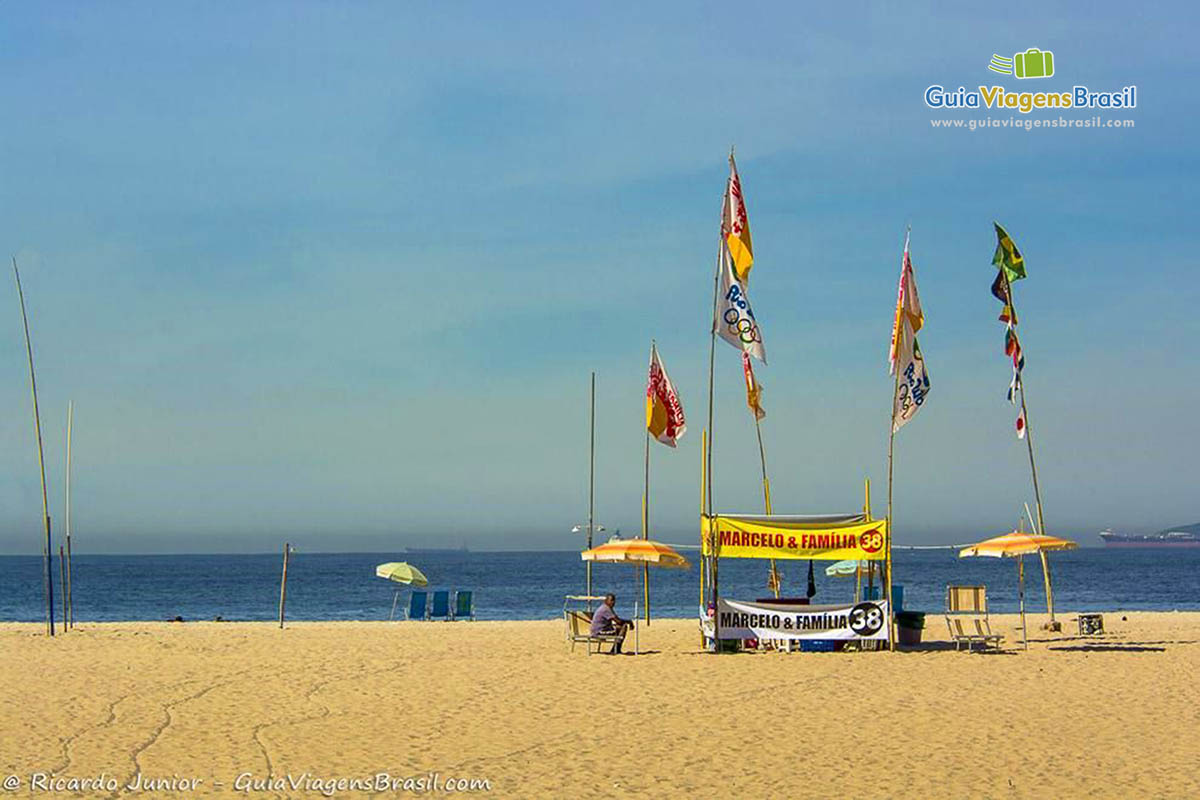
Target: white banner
853 621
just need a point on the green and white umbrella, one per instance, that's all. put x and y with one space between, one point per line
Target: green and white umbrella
402 572
847 568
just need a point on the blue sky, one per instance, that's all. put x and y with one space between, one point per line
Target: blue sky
339 273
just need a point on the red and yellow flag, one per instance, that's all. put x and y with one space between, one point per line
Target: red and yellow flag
735 226
908 307
664 411
753 389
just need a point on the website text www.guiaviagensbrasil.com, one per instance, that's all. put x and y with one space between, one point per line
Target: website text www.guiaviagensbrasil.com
1025 124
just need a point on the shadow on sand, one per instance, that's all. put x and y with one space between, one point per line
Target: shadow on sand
948 647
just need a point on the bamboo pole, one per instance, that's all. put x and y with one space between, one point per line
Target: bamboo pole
1021 592
703 522
62 583
891 527
773 574
287 551
70 596
591 487
1037 492
46 592
714 559
48 551
646 529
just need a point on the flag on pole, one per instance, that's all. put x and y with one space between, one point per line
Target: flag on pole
735 321
913 387
753 388
1012 348
664 411
1007 257
905 354
1010 266
908 307
1013 386
735 226
1000 292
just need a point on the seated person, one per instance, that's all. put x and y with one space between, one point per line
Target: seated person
606 622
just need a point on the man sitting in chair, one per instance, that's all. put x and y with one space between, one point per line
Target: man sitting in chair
606 622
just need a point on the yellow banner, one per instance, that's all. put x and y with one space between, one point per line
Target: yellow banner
737 537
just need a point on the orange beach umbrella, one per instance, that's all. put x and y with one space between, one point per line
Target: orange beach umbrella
636 551
1018 544
641 552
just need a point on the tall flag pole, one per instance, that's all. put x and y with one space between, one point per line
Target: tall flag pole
910 387
754 402
70 598
591 485
666 423
1010 267
47 551
733 318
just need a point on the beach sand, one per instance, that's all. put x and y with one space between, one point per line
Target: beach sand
507 702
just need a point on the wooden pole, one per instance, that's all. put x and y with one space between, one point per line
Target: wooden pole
287 551
890 525
646 529
62 578
1021 580
1037 492
70 596
46 592
48 550
712 354
773 574
591 487
1037 496
703 519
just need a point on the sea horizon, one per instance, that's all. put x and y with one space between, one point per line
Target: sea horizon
533 584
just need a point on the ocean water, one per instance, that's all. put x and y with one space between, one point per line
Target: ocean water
514 585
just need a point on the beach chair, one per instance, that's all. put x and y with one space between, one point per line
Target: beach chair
967 617
417 605
439 606
464 604
579 629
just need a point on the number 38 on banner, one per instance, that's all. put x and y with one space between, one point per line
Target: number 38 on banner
871 541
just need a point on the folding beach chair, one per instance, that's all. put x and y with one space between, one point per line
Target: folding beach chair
579 629
967 617
464 604
439 607
417 605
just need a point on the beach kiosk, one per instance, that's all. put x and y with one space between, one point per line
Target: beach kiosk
822 537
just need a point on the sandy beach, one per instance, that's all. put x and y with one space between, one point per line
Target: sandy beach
247 709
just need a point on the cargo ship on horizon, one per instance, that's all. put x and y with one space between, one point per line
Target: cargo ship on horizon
1187 536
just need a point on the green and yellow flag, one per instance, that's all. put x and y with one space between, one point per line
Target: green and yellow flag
1008 257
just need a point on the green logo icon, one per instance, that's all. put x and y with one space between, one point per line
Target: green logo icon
1033 63
1001 64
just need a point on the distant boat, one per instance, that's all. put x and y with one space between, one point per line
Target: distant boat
425 551
1187 536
